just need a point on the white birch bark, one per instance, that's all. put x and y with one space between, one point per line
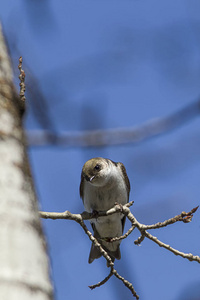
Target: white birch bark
24 266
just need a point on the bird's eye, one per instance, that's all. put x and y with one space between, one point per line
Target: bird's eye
97 167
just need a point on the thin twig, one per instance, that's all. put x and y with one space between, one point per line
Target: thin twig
126 283
184 217
96 243
188 256
101 282
22 81
79 218
111 240
140 239
109 263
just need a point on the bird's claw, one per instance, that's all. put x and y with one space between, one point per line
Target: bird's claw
119 205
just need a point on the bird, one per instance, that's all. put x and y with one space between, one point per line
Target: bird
103 184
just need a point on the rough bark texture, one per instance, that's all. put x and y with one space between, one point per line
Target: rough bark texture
24 267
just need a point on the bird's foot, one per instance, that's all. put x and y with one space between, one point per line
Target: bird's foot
119 205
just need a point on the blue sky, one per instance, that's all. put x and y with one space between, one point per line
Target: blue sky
114 64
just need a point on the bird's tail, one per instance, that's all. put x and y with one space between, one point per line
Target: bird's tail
95 253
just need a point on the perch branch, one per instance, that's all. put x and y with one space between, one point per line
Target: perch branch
79 218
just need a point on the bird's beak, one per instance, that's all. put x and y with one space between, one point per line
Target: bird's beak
91 178
88 178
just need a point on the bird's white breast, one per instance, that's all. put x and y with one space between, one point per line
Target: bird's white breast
104 197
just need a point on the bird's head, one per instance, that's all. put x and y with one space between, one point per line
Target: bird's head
96 171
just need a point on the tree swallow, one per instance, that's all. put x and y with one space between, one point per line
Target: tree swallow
103 183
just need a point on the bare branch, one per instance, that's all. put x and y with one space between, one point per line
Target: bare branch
140 239
126 283
92 287
96 243
22 81
111 240
84 216
109 262
184 217
79 218
188 256
117 136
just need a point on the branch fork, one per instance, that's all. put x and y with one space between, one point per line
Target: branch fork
185 217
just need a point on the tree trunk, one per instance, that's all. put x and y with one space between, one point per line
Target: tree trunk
24 266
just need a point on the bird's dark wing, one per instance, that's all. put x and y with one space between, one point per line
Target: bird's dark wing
123 223
128 187
127 182
81 187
